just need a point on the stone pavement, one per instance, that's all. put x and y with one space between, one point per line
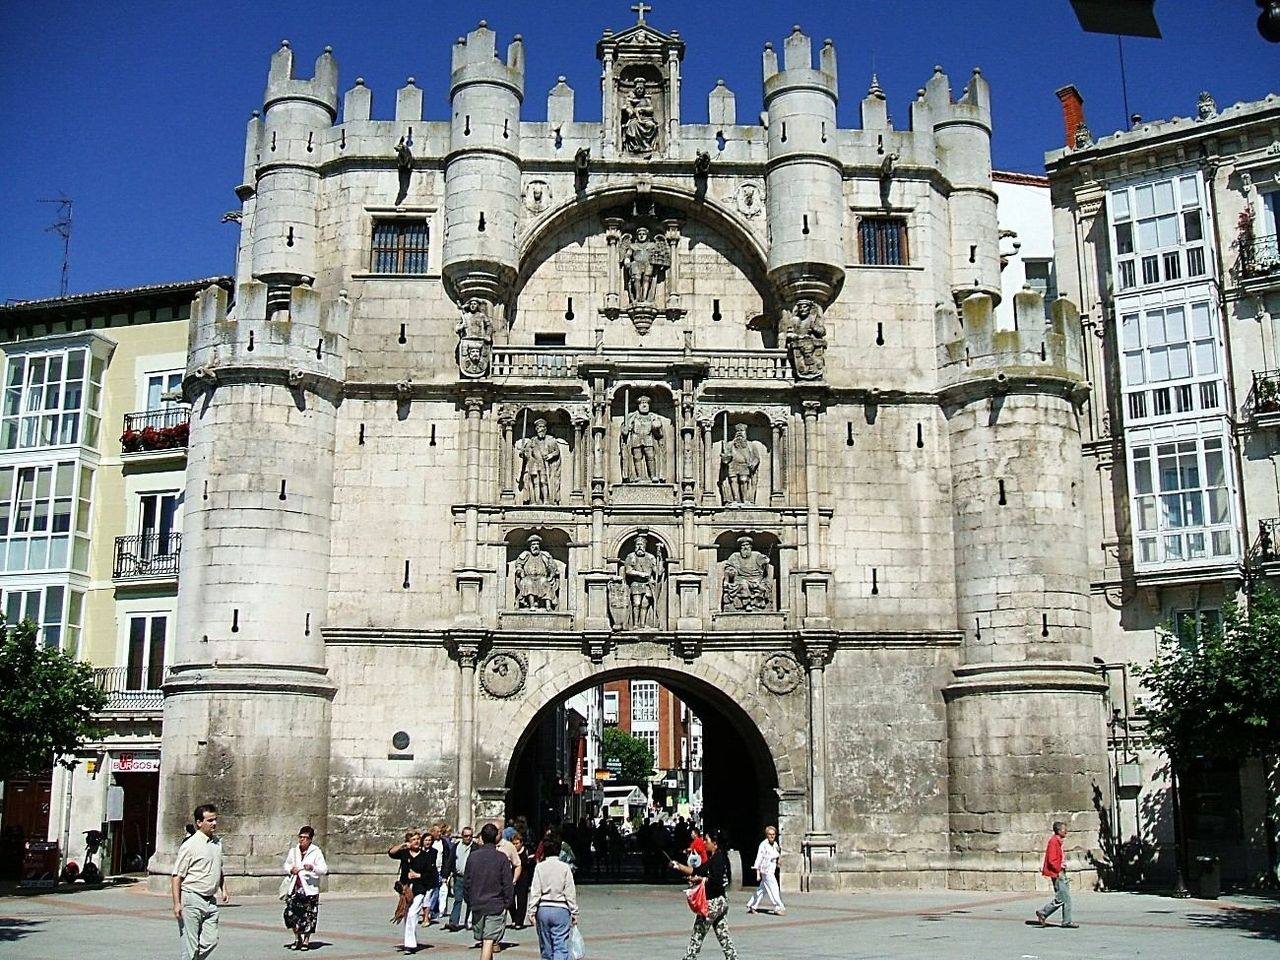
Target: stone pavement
639 923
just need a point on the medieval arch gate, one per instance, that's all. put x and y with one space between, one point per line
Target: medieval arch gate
502 407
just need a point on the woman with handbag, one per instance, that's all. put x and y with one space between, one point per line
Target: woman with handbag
766 868
418 876
553 902
715 876
303 866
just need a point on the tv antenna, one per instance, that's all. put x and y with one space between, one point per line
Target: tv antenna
62 227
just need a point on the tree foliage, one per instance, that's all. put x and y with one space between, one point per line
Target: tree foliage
47 702
1219 695
632 752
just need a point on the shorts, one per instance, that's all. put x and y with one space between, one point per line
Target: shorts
491 926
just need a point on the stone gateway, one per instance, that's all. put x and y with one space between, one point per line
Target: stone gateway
872 584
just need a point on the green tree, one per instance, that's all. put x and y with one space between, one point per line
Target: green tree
632 752
47 702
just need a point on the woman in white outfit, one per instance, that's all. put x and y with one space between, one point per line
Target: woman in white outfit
305 866
766 867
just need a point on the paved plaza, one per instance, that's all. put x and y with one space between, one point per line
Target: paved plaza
643 922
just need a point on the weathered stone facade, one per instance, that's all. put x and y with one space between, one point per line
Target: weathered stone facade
903 645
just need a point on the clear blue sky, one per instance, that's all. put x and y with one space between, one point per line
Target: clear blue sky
136 110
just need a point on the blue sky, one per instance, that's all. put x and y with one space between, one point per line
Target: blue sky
137 110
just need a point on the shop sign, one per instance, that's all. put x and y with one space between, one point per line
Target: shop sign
139 762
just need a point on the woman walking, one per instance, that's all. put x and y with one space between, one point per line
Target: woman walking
553 902
418 875
766 868
519 906
305 865
715 870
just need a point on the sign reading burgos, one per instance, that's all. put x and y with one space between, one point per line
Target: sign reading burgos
139 762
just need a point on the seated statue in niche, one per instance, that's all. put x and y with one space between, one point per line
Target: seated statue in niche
643 444
540 465
748 580
645 259
639 119
806 338
740 458
537 578
475 338
642 573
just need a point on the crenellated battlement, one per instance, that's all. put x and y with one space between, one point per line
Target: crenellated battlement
972 346
797 67
306 339
933 107
475 60
321 89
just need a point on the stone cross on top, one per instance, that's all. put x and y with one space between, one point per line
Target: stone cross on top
640 9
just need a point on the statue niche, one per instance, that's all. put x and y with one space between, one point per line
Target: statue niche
636 593
645 437
806 338
641 112
748 577
475 338
644 258
743 461
542 456
536 574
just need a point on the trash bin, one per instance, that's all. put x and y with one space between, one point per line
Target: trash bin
1210 877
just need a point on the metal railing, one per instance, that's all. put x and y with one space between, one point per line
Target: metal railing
1259 256
130 689
561 363
1264 394
146 556
163 429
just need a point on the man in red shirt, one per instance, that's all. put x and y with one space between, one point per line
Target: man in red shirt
1056 870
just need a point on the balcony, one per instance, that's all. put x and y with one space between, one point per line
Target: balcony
1266 548
561 363
156 434
1262 405
1259 263
151 557
129 689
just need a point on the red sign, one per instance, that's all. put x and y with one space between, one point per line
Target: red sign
140 762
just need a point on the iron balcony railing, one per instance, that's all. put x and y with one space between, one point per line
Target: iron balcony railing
1259 256
147 556
131 688
1266 547
1264 395
163 429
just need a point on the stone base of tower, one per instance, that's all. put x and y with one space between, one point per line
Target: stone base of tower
1026 745
254 741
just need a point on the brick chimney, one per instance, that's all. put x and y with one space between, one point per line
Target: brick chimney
1072 112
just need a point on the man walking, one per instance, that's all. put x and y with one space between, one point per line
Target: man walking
460 916
488 890
1055 869
197 877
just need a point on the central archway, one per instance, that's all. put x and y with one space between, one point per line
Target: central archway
739 777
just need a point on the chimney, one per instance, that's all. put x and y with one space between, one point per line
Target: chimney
1072 112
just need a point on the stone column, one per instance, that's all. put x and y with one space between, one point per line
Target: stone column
778 462
580 458
673 271
673 103
609 89
468 653
813 530
707 425
474 406
819 845
612 236
506 457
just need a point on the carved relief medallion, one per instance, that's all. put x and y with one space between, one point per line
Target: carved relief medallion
750 199
781 673
537 196
502 674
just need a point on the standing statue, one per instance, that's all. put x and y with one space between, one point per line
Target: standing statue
475 338
644 261
642 572
540 470
741 462
537 578
643 444
639 121
748 580
806 337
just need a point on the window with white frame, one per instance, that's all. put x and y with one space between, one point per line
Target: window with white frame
44 516
157 520
163 389
644 701
1158 232
51 399
611 706
650 738
1172 364
145 655
1181 483
56 610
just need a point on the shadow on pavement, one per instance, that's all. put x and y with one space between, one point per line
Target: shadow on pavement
1262 923
12 929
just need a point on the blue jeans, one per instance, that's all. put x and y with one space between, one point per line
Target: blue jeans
554 924
1061 898
461 910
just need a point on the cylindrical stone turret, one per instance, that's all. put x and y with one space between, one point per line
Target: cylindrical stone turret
296 117
805 199
482 169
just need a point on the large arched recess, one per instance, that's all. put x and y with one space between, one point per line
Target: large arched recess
744 768
538 244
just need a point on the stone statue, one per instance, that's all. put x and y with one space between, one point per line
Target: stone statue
475 338
639 121
741 460
807 340
748 580
644 259
643 443
540 471
642 572
537 578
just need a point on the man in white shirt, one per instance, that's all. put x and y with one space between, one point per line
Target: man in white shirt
197 878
